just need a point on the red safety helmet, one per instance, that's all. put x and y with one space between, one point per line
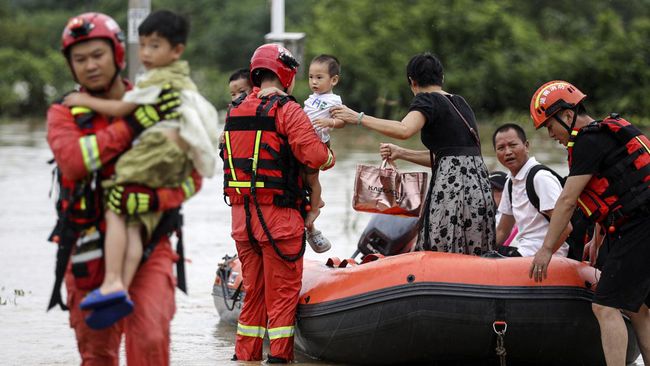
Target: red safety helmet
552 97
92 26
277 59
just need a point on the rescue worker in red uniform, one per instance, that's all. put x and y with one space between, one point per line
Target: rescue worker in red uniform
265 141
85 147
609 180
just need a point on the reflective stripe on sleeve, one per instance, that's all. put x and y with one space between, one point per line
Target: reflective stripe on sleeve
328 163
188 187
250 330
90 152
80 110
281 332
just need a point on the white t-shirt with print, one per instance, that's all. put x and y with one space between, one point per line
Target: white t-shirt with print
532 225
317 106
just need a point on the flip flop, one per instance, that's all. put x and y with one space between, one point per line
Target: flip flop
105 317
97 300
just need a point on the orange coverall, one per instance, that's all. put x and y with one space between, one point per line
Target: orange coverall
272 284
147 329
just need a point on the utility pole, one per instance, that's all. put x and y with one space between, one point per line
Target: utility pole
294 42
138 10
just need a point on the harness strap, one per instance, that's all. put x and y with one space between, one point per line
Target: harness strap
67 237
68 233
267 232
249 229
245 164
170 222
233 174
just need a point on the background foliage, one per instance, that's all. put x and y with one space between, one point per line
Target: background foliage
495 52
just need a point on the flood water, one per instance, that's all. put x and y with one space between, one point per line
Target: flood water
30 336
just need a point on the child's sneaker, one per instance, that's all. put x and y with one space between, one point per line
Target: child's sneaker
317 241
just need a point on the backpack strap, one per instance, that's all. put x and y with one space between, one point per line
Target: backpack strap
530 186
509 185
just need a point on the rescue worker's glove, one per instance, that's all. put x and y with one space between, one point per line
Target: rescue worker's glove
147 115
132 200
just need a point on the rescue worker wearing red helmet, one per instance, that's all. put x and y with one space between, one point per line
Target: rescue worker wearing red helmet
609 180
85 145
266 140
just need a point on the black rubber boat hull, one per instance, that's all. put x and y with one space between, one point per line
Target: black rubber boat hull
430 325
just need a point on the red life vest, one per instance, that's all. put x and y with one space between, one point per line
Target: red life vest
81 201
623 186
257 158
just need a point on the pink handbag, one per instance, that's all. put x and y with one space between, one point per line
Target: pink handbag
383 189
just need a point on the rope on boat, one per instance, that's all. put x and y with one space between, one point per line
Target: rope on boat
223 273
501 348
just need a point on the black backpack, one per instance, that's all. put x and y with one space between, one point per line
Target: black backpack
582 227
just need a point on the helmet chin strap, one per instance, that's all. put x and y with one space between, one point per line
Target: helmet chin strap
573 123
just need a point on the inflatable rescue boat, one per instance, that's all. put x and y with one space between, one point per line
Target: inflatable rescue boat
399 307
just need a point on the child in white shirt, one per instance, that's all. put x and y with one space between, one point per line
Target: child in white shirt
324 73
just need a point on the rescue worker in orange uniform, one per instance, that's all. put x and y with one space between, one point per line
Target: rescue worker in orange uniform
265 141
609 180
85 146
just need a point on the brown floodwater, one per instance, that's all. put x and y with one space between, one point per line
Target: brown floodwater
31 336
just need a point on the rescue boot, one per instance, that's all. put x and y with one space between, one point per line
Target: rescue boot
273 359
317 241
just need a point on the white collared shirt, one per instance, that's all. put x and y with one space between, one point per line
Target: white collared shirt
532 225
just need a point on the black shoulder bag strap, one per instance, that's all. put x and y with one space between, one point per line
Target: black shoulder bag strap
471 129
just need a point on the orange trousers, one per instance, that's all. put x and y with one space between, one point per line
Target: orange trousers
146 329
272 287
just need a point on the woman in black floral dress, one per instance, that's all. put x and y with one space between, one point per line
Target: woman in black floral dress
458 215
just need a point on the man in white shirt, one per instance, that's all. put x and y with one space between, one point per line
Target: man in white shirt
511 148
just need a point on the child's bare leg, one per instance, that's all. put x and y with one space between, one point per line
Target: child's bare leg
114 250
133 254
173 135
315 198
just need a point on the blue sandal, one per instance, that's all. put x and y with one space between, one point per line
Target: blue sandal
97 300
105 317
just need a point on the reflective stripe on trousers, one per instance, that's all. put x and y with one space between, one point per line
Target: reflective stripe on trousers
251 330
281 332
